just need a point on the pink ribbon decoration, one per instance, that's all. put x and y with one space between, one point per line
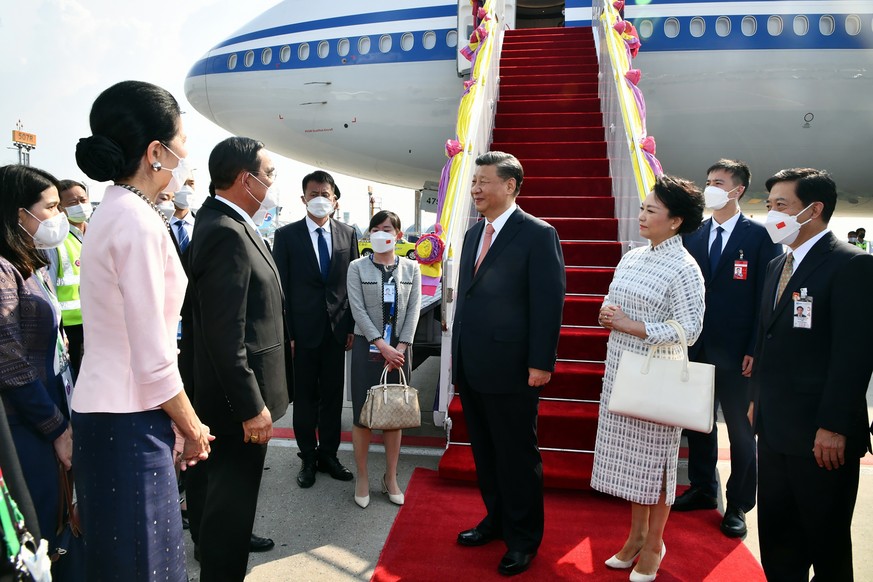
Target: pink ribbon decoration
467 84
648 144
483 15
633 75
453 148
619 26
618 5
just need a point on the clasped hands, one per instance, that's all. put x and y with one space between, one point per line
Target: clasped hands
610 315
394 357
191 449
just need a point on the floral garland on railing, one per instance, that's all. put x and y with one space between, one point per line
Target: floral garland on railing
430 248
628 33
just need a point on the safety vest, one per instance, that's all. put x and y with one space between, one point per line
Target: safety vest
68 280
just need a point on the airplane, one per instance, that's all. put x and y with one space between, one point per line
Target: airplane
371 89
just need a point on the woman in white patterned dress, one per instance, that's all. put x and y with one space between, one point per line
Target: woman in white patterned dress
635 459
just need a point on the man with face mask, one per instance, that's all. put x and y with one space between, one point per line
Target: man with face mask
182 221
240 381
732 252
810 380
313 257
64 266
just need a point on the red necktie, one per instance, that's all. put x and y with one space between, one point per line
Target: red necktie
486 244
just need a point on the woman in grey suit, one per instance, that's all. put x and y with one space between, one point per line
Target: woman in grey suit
385 299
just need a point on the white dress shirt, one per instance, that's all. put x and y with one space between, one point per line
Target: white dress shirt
728 227
498 226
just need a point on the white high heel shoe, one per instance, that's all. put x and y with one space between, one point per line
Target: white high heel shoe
617 564
637 577
396 499
364 501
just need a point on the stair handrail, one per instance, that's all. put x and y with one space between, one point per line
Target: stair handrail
633 169
456 213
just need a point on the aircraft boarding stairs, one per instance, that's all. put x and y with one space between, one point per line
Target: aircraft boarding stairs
549 116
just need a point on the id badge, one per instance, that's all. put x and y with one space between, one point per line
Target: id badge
741 270
390 292
802 311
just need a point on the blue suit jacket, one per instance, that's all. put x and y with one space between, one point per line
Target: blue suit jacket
731 304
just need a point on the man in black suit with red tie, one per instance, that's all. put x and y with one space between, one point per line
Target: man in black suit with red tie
239 354
733 253
810 379
313 256
504 344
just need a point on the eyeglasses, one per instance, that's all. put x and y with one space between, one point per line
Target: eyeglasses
271 174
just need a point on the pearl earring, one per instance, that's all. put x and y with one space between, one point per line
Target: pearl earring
156 166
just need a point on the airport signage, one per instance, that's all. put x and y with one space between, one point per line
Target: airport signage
429 200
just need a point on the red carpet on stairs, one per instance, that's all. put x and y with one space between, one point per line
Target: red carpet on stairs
549 116
582 530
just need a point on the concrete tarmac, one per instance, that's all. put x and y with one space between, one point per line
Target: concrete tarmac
322 535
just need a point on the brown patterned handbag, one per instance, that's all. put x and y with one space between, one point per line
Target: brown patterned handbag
391 406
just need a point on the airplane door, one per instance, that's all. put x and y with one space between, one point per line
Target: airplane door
506 16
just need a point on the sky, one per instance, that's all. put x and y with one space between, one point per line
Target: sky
56 56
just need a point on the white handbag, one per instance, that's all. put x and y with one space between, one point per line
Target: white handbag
670 392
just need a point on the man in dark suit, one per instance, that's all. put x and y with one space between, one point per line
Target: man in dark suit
504 344
239 353
733 253
811 376
313 257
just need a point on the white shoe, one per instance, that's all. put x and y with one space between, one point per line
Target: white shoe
364 501
637 577
396 499
617 564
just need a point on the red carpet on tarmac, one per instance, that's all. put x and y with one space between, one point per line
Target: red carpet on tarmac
582 530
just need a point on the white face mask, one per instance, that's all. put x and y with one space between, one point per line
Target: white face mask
382 241
319 207
51 232
716 198
183 197
79 213
181 173
167 209
270 201
784 228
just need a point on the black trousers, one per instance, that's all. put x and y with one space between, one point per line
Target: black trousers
319 374
222 495
805 516
733 392
76 338
509 468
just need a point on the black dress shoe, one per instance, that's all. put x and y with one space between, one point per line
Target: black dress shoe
306 476
694 499
334 468
475 537
259 544
733 524
514 563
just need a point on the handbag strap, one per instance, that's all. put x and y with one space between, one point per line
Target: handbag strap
384 378
66 486
683 341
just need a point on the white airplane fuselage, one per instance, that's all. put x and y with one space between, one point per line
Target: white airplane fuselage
371 89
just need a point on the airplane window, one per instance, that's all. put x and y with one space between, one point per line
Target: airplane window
429 39
698 27
723 26
285 54
452 38
249 59
646 28
231 62
303 51
774 25
826 25
750 25
671 27
801 25
407 41
267 56
342 47
385 43
853 24
323 49
364 45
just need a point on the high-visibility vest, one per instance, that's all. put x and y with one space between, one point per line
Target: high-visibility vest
67 284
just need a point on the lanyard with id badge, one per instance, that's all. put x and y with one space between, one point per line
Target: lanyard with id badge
802 309
389 296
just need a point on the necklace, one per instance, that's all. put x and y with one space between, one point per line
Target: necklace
139 193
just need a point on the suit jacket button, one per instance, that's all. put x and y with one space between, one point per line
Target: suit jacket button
769 336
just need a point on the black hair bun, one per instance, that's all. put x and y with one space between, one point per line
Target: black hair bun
100 158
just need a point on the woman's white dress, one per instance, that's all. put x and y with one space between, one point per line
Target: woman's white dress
633 458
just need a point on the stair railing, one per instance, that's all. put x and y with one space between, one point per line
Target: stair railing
632 175
474 126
